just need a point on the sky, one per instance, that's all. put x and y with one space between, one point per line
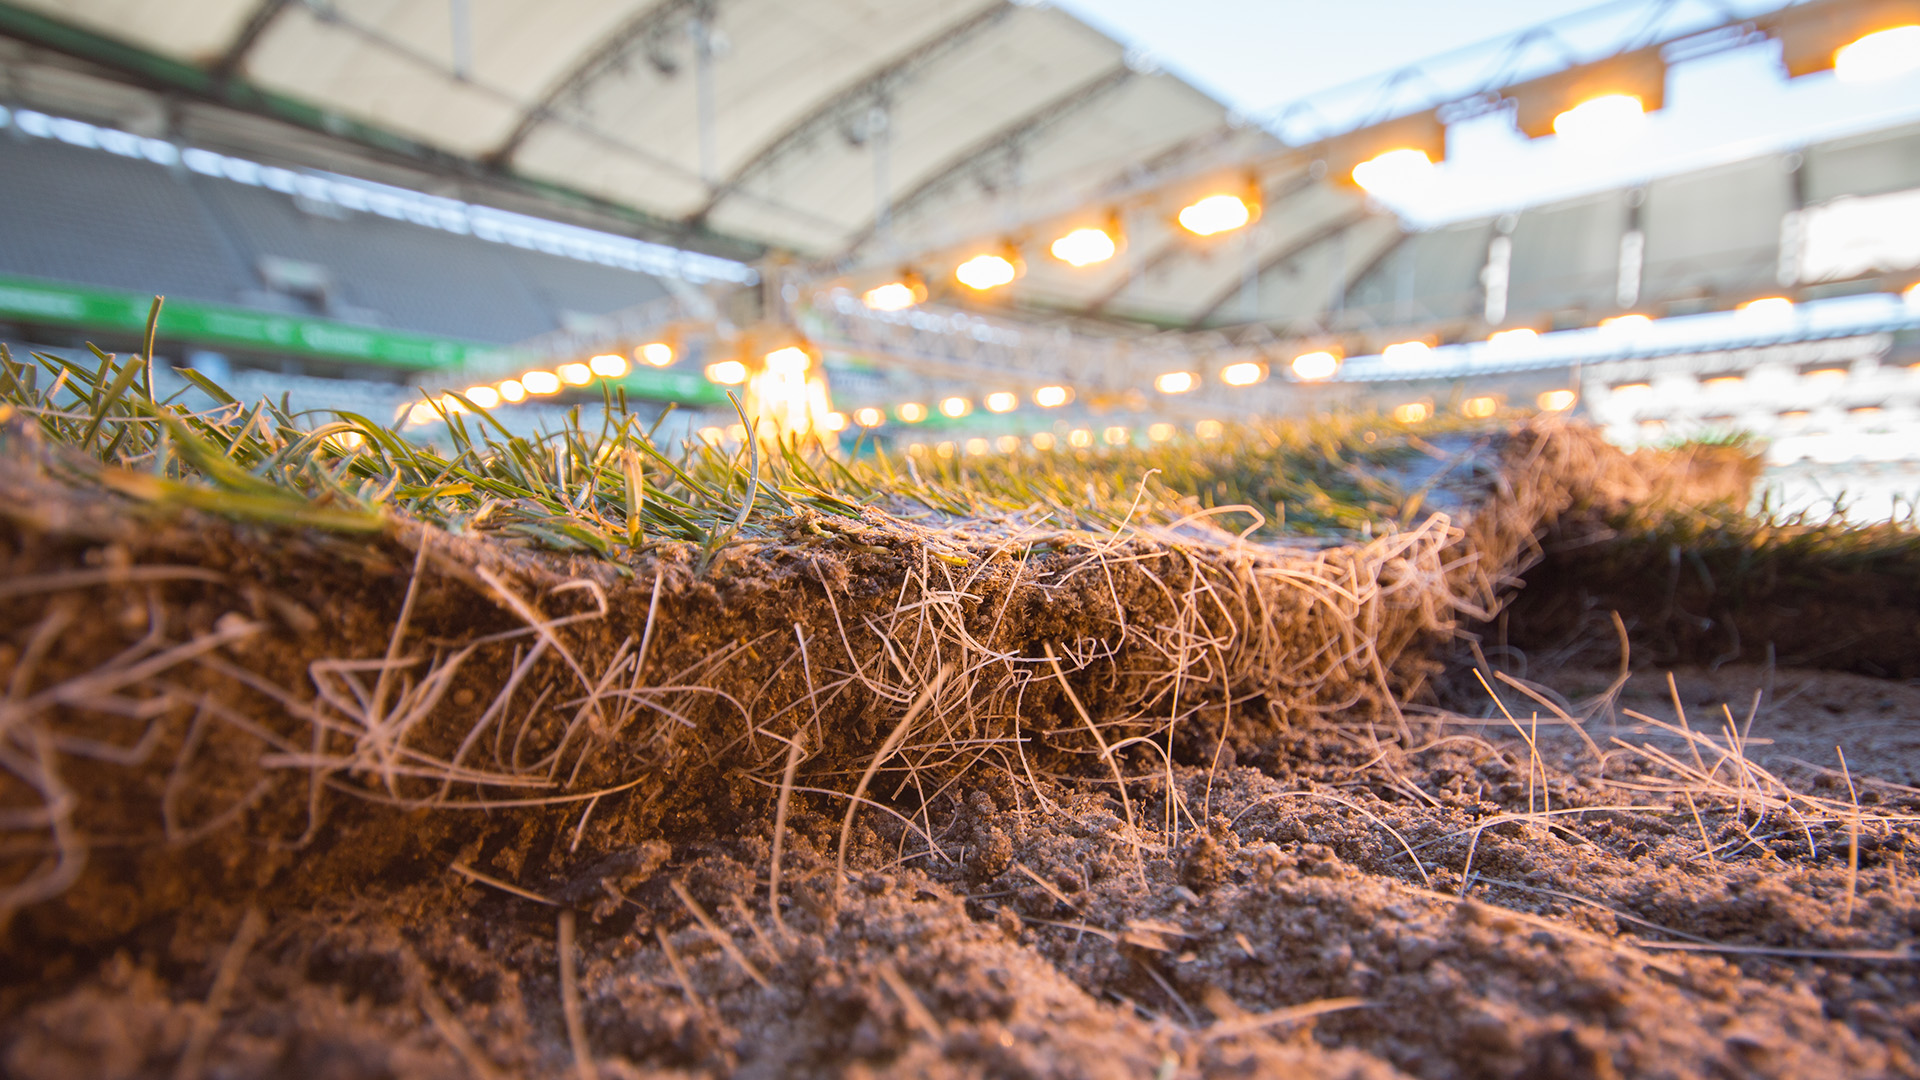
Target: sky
1257 56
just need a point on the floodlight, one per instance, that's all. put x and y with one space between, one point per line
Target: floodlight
1216 214
1048 397
1245 373
541 382
1314 366
657 353
1084 247
608 365
727 372
1479 408
896 295
486 397
1602 98
575 374
869 417
912 412
1558 400
512 391
792 360
983 272
1858 40
956 407
1002 401
1388 156
1175 382
1509 342
1412 412
1607 118
1406 351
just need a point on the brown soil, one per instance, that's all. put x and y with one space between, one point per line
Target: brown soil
1299 876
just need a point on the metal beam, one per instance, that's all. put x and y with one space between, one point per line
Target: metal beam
869 90
1311 240
257 24
588 68
1004 140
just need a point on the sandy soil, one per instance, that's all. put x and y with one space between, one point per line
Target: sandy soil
1039 936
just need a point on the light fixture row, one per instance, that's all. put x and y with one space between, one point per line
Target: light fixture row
540 383
1598 102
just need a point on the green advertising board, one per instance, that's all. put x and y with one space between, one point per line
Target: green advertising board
58 303
220 325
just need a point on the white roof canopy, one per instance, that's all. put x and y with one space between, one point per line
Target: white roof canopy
856 130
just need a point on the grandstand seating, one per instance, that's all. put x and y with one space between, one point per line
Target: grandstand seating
80 216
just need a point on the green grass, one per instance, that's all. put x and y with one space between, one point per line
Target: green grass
612 488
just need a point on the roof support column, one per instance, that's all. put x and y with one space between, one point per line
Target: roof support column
703 93
880 138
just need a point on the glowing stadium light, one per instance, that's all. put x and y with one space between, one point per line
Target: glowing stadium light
1592 102
1080 438
1117 436
1160 432
1633 391
1406 351
608 365
1393 171
1879 56
486 397
944 450
1315 366
452 404
1510 342
575 374
1216 214
1479 408
1557 400
1625 325
656 354
1826 376
912 412
955 407
727 372
1001 401
1209 429
422 413
1912 294
737 432
512 391
541 382
1049 397
1084 247
1245 373
869 417
1043 440
712 435
792 360
977 446
835 421
1412 412
1007 444
1767 307
896 295
1607 118
1175 382
983 272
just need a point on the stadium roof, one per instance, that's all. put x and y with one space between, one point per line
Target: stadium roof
817 126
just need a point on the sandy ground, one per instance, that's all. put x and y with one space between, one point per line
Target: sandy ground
1297 909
